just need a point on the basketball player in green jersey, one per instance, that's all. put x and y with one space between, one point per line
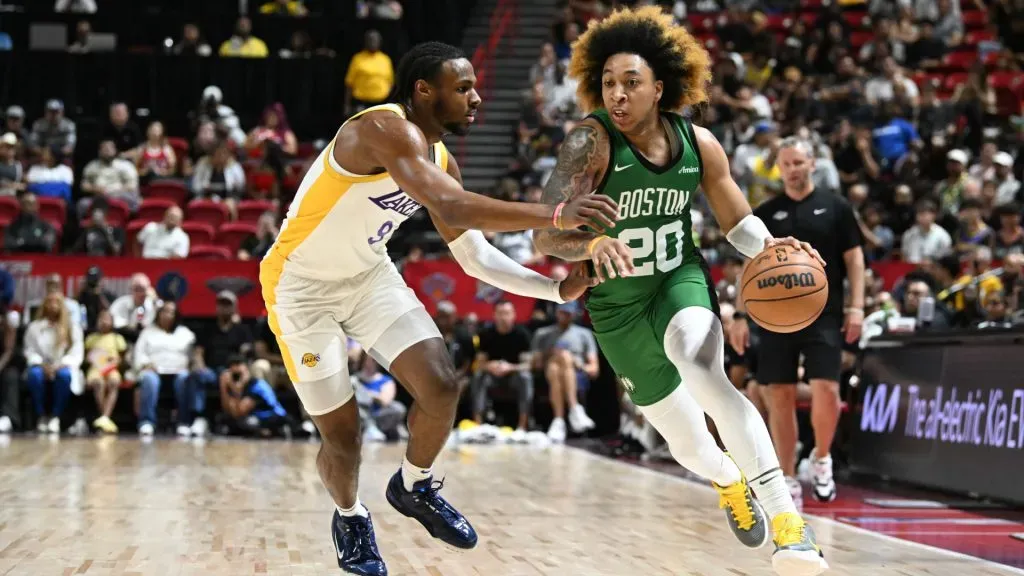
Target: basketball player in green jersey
655 313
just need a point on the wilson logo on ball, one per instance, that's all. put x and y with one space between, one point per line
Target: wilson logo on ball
802 280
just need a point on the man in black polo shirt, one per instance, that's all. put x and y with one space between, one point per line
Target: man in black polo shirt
503 359
828 223
215 348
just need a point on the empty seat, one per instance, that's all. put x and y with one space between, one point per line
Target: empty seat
199 233
153 209
232 234
166 189
210 211
204 252
251 210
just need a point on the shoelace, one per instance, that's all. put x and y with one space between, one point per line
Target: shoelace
362 531
791 533
430 494
735 498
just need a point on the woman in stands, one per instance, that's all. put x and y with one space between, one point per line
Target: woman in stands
163 350
104 349
155 158
276 139
257 245
54 354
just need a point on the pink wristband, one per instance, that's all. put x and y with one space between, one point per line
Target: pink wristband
556 219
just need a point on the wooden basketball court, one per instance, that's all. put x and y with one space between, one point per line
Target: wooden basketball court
224 507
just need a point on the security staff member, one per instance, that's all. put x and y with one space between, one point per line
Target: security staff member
827 222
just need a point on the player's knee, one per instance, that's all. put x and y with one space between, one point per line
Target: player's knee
439 392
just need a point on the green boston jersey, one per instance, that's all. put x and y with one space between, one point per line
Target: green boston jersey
654 213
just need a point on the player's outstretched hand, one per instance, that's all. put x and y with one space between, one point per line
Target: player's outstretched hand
595 210
790 241
611 258
577 282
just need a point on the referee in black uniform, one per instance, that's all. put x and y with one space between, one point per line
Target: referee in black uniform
827 222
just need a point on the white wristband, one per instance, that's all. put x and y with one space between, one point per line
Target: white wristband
748 236
483 261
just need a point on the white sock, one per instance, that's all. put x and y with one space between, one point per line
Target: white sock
412 474
357 509
773 493
679 419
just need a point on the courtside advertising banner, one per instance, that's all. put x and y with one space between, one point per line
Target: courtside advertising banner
947 416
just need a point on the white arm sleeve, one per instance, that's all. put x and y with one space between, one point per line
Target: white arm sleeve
483 261
748 236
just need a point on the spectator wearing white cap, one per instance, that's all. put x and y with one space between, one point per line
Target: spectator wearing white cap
11 171
54 130
1007 185
952 190
213 109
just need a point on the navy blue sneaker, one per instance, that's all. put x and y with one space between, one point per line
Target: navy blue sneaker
356 546
428 507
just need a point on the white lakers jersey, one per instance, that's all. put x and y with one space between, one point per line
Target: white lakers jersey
339 223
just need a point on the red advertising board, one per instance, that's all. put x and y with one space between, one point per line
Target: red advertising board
193 283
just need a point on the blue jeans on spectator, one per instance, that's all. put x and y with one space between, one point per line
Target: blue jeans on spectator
36 381
192 394
149 392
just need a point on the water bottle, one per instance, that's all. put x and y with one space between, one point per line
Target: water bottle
926 311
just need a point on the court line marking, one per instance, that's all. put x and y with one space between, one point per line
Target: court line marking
951 553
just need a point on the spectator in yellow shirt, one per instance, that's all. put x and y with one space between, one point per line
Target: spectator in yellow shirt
243 44
370 76
103 351
285 8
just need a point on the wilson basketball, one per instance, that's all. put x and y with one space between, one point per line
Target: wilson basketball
784 289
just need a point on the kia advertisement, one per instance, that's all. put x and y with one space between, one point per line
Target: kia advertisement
947 416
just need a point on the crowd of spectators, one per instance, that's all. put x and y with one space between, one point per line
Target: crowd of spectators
913 107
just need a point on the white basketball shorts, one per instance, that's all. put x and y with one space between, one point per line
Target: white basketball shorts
313 320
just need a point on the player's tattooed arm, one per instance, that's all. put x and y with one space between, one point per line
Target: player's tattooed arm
582 160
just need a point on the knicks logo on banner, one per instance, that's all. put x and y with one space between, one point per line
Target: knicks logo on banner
487 293
438 286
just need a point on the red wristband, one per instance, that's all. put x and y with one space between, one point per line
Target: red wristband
556 219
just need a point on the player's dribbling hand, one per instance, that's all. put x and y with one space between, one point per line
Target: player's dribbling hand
576 283
611 258
790 241
597 211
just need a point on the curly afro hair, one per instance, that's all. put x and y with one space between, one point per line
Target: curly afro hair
675 56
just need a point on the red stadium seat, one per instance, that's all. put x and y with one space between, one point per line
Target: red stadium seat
703 22
1005 78
131 235
210 211
210 253
780 22
857 19
959 60
118 212
167 189
306 150
261 182
153 209
812 4
859 38
951 81
9 207
199 233
251 210
974 37
923 79
708 39
180 146
974 19
232 234
52 209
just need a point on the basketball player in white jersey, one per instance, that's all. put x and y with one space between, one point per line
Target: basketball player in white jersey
328 277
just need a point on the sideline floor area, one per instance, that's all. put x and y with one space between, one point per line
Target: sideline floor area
169 507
